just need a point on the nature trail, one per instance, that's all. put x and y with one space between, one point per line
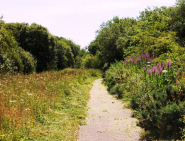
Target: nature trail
108 119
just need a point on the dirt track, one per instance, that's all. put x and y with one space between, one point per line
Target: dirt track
107 119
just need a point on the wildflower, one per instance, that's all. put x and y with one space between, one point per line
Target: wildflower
12 101
148 62
164 71
2 135
178 73
149 72
147 55
27 109
138 60
153 70
126 61
158 72
153 56
144 68
127 67
169 64
30 94
159 66
132 61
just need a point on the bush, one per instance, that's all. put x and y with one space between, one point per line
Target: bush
28 61
156 92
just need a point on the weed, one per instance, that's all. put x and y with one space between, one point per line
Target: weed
48 105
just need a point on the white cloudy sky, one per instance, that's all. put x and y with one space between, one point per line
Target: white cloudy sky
74 19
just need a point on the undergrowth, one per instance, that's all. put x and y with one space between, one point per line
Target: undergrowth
44 106
156 91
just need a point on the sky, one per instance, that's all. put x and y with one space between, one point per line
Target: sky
77 20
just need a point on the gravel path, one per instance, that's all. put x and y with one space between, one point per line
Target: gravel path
107 119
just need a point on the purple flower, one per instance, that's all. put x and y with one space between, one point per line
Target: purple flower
147 55
127 67
153 56
158 72
149 72
163 67
144 68
159 66
169 64
132 61
126 61
138 60
178 73
153 70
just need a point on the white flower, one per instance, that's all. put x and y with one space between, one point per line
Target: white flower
148 62
27 109
30 94
12 100
164 71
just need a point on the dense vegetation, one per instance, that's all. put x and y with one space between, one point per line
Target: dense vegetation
144 59
155 91
158 31
48 105
29 48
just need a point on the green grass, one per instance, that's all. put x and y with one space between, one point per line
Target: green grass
45 106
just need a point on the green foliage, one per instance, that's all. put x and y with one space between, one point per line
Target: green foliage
118 89
28 61
91 62
105 45
156 97
40 49
157 31
10 58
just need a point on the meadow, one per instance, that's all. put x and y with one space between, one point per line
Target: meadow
44 106
155 90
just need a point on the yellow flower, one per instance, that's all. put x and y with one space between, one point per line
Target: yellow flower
2 135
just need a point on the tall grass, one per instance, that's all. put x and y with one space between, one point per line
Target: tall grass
48 105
